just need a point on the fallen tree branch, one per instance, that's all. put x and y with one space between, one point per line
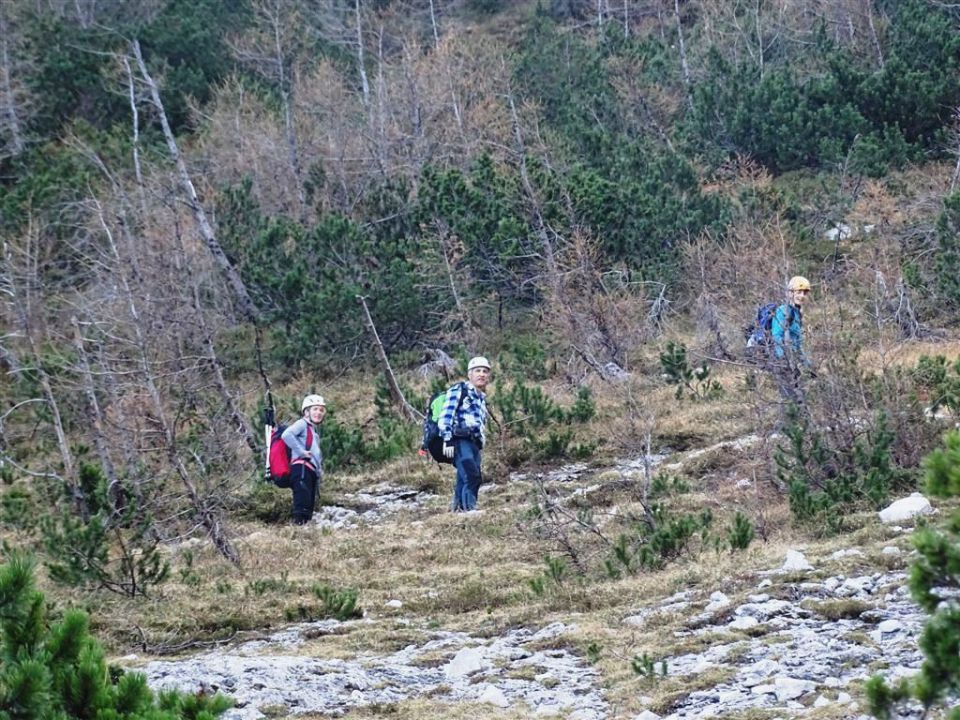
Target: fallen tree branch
406 409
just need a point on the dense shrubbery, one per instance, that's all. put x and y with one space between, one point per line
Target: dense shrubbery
306 279
694 381
816 116
933 376
543 425
827 482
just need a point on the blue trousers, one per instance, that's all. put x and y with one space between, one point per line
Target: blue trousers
466 458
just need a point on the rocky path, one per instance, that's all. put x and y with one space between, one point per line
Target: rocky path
801 640
504 672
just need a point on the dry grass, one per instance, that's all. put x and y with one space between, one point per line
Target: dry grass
907 355
421 708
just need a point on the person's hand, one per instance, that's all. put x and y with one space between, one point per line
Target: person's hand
448 450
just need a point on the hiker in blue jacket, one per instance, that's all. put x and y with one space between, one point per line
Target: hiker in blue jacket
787 333
461 426
306 463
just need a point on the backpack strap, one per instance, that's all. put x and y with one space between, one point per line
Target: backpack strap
463 394
309 436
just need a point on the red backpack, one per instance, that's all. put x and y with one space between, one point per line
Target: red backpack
280 456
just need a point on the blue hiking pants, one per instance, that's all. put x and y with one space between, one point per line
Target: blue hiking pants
466 458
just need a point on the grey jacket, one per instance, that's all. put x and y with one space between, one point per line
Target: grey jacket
295 438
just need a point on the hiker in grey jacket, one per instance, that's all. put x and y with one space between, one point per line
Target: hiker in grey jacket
306 459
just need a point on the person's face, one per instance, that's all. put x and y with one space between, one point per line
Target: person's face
799 296
316 413
480 377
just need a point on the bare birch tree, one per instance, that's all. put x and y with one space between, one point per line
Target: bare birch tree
21 285
244 303
12 99
273 48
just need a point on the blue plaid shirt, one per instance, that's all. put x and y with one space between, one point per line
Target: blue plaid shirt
471 418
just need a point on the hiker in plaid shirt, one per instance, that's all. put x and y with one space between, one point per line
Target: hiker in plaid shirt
461 427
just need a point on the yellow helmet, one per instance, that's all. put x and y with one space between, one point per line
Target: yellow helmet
798 282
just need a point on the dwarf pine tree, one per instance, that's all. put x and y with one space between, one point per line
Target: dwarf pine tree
934 584
57 669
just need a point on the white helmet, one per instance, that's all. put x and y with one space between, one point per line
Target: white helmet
310 401
478 361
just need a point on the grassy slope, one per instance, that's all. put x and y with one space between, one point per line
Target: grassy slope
471 573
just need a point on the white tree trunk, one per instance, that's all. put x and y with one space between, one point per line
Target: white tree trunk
22 303
684 67
6 88
405 408
96 415
242 297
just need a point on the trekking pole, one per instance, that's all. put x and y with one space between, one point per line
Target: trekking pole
316 485
269 412
269 422
701 356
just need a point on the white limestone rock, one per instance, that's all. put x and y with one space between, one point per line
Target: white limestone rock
788 688
548 711
584 714
905 509
745 622
795 562
467 661
718 601
492 695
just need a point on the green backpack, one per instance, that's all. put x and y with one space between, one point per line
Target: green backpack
432 442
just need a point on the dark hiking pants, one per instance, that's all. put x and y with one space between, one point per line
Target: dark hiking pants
303 482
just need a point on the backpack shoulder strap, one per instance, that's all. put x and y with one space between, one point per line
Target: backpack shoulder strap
463 394
309 436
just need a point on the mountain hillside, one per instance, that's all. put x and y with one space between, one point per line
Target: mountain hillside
211 209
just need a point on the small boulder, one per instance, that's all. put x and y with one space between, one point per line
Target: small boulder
788 688
647 715
906 509
492 695
795 562
468 660
743 623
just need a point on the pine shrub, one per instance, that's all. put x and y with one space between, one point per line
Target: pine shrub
694 381
740 533
340 604
826 482
56 669
116 549
934 584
